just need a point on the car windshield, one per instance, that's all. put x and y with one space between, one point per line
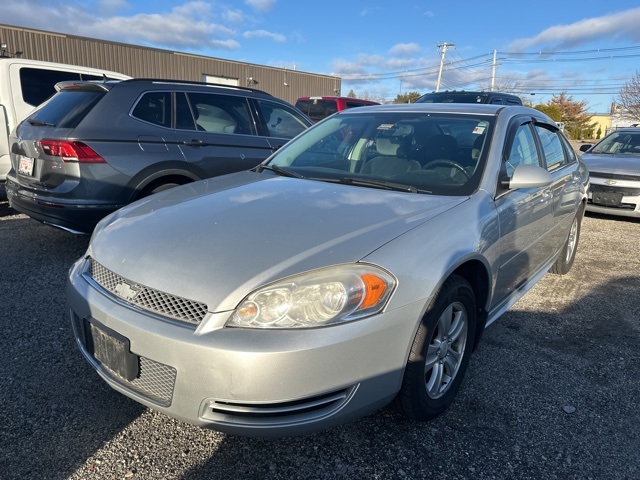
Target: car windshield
442 154
619 143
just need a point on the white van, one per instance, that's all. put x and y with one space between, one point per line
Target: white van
25 84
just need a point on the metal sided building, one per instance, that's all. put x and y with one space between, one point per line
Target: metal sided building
145 62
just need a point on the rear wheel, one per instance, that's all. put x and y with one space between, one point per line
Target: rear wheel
160 186
440 352
568 254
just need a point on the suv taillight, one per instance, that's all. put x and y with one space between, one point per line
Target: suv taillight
70 151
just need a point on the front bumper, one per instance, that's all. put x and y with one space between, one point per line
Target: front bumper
247 381
621 198
69 214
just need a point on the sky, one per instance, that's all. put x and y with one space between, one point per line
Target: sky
380 49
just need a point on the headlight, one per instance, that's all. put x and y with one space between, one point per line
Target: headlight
317 298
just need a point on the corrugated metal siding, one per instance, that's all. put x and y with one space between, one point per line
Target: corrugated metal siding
147 62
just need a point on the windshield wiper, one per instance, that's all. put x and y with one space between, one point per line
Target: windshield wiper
39 123
279 170
400 187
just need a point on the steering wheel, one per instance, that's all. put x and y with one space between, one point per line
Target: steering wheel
450 163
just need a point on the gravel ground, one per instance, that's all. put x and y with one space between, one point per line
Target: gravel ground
551 393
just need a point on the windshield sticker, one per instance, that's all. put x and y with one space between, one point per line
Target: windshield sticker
479 130
386 126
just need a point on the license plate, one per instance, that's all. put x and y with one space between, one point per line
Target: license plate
26 165
608 199
111 350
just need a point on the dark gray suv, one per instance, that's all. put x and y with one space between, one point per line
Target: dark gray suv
462 96
97 146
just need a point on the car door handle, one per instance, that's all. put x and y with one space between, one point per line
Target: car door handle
193 143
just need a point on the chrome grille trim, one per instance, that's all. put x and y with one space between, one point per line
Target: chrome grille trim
279 413
145 298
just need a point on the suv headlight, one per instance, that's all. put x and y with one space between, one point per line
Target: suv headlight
317 298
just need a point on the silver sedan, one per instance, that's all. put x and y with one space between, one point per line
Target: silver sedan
614 173
358 265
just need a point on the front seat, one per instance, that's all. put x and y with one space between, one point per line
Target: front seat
439 147
391 159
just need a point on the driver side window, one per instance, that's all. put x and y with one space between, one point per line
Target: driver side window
523 150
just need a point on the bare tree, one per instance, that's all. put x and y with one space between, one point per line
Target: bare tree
629 97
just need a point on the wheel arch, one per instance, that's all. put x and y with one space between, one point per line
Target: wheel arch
476 273
149 180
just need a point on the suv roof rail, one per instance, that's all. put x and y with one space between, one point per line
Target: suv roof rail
193 82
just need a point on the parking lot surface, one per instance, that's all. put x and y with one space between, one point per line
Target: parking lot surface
551 393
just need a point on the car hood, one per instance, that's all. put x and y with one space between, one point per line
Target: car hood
216 240
619 164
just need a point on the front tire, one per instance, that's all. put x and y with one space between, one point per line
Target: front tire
440 352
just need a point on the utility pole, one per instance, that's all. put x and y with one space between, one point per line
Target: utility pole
493 71
444 50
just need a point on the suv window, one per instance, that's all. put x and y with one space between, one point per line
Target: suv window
38 84
280 122
67 109
154 107
221 113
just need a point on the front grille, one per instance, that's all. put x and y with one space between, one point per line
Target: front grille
155 381
626 191
615 176
149 299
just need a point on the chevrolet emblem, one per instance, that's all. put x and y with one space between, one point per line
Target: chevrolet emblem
610 182
127 292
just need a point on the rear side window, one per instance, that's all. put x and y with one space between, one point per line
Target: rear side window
154 107
38 84
67 109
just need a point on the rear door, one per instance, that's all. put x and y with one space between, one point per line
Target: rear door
561 161
525 215
217 133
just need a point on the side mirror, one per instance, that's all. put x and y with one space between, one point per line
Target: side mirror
585 147
528 176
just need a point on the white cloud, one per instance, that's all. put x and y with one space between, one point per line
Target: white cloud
264 34
190 26
404 49
618 25
262 5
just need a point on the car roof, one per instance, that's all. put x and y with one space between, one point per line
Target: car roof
330 97
158 84
460 108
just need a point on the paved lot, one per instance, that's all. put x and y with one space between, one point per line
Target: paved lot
552 392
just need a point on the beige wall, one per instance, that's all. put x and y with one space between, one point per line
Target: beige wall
601 121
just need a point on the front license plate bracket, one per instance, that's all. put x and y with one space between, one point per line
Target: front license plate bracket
609 199
111 349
